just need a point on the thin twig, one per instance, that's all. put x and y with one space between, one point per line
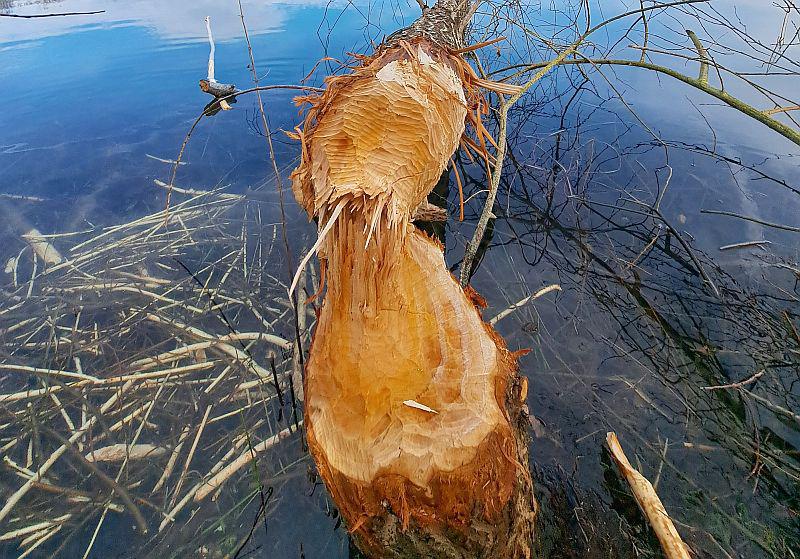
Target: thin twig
745 244
245 458
753 219
522 302
739 384
192 450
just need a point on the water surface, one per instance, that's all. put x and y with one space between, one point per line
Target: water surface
629 343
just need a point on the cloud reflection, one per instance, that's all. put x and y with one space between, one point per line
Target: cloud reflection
182 21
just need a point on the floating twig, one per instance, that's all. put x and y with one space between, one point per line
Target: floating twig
162 160
22 198
210 85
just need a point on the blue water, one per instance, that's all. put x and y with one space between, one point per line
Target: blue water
88 98
92 99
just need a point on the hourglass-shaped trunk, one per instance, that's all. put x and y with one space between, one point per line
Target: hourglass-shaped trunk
414 410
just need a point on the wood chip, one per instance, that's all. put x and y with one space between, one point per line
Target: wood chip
416 405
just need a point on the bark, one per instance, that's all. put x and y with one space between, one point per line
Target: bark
428 212
415 413
217 89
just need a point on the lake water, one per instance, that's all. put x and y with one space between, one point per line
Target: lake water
650 314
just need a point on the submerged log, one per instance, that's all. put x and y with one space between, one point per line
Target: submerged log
414 411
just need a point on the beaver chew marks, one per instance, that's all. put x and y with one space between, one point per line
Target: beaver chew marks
412 401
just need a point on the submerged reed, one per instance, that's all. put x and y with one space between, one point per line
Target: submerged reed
125 389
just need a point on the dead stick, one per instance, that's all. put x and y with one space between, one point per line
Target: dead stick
22 491
246 457
753 219
112 484
739 384
192 451
649 503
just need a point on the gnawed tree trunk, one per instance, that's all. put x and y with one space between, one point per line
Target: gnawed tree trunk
414 411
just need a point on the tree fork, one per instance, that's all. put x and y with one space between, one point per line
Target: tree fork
415 414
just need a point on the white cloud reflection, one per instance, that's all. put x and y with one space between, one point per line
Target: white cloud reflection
170 19
183 20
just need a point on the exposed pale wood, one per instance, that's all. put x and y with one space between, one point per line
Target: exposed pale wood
745 244
524 301
429 212
121 451
43 248
414 411
210 85
247 457
648 501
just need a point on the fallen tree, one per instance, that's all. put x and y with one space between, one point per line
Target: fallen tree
414 411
